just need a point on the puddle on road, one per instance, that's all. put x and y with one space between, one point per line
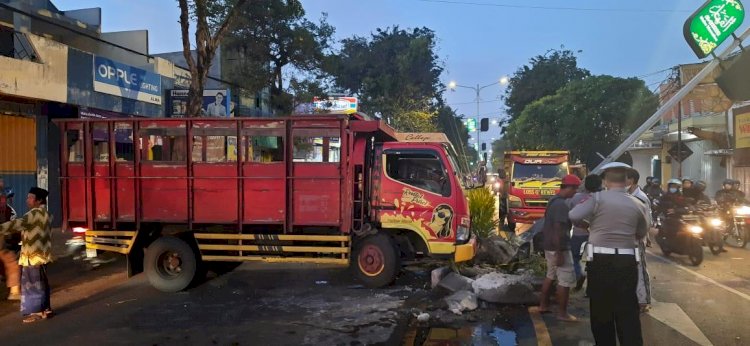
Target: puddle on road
477 334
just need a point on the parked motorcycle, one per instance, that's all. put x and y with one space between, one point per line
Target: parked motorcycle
682 235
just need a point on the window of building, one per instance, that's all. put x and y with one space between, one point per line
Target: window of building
74 139
421 169
124 148
101 143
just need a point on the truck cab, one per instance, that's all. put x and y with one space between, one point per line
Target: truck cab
533 178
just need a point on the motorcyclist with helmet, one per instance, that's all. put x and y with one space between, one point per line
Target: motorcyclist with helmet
699 193
673 205
688 190
726 197
654 190
739 196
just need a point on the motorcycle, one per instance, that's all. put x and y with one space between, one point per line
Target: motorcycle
76 247
714 228
682 235
738 232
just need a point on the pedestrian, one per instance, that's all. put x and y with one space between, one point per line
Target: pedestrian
556 244
36 253
11 269
592 184
616 220
644 281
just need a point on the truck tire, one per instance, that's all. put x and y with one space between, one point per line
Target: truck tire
376 261
170 264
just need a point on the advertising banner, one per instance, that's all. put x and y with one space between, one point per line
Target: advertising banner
216 103
114 78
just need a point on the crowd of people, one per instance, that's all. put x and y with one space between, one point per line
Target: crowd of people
604 221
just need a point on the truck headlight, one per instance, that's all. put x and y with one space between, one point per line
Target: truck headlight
695 229
463 233
514 202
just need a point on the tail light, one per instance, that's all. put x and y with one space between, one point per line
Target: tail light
463 233
79 231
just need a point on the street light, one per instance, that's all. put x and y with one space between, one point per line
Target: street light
502 81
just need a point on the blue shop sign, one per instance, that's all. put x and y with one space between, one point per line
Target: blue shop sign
114 78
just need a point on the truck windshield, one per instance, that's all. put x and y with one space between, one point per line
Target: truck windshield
463 175
539 172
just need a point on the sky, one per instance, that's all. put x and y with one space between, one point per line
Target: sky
479 41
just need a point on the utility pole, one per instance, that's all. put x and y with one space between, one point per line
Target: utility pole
679 128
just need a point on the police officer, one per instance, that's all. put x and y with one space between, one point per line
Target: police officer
616 221
644 284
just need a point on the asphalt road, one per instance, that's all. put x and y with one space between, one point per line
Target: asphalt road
310 305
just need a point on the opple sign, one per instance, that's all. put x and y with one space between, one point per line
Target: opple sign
114 78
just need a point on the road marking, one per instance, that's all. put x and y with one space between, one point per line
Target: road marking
540 328
701 276
673 316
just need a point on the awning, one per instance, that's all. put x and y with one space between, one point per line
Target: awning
720 138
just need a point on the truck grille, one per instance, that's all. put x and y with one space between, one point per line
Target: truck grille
536 203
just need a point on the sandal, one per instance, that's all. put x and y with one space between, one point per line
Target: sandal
48 314
33 317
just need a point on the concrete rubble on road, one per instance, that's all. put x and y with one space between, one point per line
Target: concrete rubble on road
455 282
462 301
438 274
494 251
505 288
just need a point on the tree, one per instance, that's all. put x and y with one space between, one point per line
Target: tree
587 116
544 75
499 147
271 37
395 73
207 40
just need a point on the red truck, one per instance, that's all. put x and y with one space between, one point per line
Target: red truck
172 194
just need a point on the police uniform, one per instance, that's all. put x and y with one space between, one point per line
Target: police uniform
644 284
616 220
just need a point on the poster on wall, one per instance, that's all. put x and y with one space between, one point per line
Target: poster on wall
216 103
114 78
742 136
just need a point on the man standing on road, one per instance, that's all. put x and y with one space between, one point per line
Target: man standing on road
556 230
36 252
644 282
593 184
616 220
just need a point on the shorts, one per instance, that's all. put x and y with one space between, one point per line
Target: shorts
564 274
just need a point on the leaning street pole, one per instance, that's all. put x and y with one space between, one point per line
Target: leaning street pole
684 91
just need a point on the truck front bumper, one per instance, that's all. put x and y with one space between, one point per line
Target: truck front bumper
525 215
466 251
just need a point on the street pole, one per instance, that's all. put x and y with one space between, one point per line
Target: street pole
479 143
679 141
674 100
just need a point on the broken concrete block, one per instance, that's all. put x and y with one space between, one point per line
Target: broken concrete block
438 274
462 301
455 282
505 289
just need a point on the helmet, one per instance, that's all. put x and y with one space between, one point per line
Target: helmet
684 179
700 185
615 165
656 181
728 182
674 181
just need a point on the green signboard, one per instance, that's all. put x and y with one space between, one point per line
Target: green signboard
711 24
471 125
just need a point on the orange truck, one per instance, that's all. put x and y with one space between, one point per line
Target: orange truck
532 178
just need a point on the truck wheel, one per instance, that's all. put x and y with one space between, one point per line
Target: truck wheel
376 260
170 264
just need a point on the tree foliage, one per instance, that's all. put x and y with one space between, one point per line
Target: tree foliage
211 27
543 76
395 73
271 37
587 116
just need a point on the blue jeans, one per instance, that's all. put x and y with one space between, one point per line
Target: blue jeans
575 246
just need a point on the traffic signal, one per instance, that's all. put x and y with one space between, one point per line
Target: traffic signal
484 124
471 125
484 146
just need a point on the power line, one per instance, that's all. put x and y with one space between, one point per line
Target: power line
473 102
557 8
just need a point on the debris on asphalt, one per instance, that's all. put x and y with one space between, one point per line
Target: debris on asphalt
438 274
455 282
505 288
462 301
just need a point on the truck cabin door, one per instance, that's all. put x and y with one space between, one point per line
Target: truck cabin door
416 193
